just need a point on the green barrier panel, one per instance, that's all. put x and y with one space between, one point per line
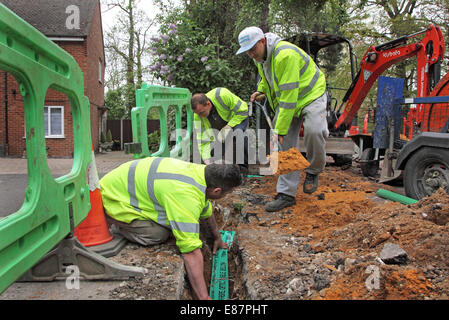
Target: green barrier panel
219 282
52 207
395 197
161 98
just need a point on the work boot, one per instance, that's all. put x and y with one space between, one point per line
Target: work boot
280 202
310 183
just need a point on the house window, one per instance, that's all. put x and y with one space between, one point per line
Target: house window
54 122
100 71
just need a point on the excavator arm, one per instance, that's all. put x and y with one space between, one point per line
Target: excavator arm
429 52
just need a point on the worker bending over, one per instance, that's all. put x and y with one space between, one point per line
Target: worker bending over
149 198
225 112
295 88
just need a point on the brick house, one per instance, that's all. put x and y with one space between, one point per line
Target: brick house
82 38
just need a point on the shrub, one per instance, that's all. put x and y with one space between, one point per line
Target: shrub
109 136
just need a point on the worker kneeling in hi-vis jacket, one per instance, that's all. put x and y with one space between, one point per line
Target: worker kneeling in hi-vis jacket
147 199
222 110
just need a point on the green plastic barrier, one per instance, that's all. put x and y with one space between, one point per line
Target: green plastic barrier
161 98
395 197
52 207
219 282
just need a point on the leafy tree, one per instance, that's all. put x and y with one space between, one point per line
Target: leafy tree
391 19
115 101
190 52
378 21
126 46
210 29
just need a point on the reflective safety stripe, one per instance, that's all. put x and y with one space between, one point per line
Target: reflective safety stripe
289 86
304 57
287 105
311 84
152 176
185 226
205 209
304 67
239 113
234 110
220 100
286 86
294 85
162 215
132 186
180 177
237 106
287 46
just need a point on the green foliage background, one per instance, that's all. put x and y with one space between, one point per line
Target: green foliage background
204 34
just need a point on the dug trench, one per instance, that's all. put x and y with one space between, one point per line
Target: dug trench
327 246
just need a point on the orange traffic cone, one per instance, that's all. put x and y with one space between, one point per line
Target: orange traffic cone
365 124
93 230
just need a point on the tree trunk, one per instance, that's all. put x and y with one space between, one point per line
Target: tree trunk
264 16
130 84
139 63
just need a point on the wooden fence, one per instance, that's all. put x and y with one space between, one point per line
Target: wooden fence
121 130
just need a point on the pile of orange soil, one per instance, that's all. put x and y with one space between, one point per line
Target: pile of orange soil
346 221
289 161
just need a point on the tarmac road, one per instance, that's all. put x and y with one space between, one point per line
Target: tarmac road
13 183
14 176
12 192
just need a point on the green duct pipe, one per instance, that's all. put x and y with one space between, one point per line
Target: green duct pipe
395 197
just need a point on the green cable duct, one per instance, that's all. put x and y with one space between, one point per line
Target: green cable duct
395 197
219 282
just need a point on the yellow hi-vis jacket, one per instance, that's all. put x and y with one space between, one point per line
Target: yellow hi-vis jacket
297 81
168 191
230 108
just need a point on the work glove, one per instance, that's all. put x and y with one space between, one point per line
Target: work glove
224 133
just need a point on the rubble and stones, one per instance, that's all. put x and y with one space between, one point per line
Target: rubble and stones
393 254
329 249
328 246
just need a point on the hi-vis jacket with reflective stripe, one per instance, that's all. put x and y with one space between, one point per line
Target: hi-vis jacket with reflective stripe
168 191
230 108
296 79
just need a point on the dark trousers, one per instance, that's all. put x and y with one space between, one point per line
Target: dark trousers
233 144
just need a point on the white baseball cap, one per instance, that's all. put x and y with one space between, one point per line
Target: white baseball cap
248 37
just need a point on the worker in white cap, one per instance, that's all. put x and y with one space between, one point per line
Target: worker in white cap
296 90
